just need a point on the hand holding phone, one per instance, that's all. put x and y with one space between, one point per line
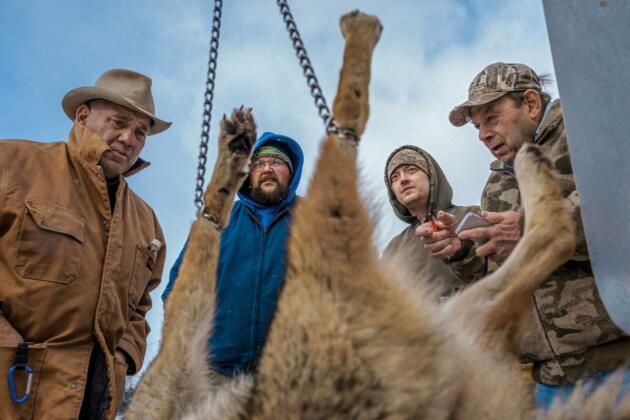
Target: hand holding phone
471 221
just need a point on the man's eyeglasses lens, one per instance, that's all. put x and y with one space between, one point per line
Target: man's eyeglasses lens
274 163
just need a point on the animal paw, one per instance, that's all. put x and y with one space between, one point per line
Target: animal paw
358 24
238 133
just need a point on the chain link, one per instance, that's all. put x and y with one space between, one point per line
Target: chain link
307 68
207 102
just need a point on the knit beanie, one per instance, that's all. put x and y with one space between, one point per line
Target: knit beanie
274 149
406 156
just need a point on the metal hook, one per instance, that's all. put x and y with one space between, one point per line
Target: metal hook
21 363
13 388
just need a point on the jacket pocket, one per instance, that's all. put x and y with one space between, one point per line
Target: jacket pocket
8 408
142 269
50 243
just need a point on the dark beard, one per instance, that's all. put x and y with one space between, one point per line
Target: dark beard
268 199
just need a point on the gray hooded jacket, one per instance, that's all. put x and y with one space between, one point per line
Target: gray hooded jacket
409 249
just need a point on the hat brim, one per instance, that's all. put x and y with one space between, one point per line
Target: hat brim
460 115
76 97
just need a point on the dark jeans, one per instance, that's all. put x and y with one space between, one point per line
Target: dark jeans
547 394
96 397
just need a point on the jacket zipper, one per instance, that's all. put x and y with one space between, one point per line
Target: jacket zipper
257 285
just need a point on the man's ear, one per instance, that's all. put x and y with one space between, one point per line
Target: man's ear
81 114
534 104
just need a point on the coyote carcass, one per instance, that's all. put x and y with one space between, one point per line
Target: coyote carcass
349 339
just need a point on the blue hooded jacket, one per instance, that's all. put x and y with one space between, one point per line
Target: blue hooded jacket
250 272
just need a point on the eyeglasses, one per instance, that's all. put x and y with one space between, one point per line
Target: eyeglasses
273 162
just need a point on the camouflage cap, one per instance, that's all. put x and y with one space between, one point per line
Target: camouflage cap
490 84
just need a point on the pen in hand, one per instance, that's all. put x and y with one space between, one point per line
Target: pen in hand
433 224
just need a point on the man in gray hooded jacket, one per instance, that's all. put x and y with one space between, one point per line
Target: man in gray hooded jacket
417 190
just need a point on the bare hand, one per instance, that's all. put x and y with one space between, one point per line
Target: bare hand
501 237
8 335
443 243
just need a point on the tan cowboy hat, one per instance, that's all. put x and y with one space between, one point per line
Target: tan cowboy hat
123 87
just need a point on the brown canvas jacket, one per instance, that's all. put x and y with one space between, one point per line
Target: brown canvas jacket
72 274
574 336
408 249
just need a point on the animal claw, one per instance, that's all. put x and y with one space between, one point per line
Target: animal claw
229 126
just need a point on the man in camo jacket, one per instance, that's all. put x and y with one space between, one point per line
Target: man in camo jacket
574 338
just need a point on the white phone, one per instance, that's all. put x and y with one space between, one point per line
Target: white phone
470 221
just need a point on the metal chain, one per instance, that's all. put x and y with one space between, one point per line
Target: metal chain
207 103
307 68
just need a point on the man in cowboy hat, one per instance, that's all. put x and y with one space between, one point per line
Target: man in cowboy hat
79 254
570 337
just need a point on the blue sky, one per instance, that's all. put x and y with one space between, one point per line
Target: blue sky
427 55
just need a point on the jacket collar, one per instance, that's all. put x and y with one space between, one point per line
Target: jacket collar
89 147
551 120
498 165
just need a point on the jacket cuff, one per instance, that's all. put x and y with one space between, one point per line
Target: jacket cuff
134 359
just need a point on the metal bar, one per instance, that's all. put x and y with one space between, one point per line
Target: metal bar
590 44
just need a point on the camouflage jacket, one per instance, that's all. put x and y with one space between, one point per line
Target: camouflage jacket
574 336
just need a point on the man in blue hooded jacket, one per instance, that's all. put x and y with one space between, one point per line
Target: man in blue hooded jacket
252 255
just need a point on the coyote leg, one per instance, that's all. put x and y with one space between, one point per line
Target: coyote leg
498 301
339 343
333 197
179 376
351 106
343 228
331 222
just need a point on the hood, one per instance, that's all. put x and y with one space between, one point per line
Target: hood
297 158
440 191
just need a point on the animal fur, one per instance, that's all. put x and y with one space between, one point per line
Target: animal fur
179 378
350 339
